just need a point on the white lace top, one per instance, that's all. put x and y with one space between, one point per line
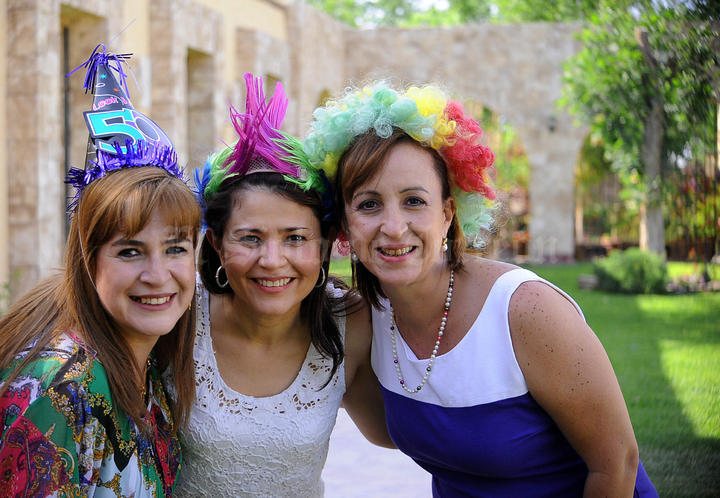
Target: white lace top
275 446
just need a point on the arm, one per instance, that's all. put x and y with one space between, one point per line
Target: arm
569 374
363 399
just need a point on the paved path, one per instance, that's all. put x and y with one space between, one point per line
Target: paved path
356 468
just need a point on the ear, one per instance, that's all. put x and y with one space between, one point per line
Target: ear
214 242
448 212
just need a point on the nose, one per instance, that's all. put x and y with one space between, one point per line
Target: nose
156 271
393 223
272 255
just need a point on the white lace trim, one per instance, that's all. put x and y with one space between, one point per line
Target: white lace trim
238 445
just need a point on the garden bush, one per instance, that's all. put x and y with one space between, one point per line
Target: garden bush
632 272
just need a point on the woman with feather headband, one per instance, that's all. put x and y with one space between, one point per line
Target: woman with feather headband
276 350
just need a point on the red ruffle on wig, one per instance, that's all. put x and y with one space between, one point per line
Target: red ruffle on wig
468 160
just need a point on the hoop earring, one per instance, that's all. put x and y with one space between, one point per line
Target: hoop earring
324 277
444 244
217 278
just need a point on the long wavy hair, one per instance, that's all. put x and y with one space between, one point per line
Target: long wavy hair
121 202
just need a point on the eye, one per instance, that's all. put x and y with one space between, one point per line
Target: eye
368 205
296 238
128 252
176 250
415 201
250 239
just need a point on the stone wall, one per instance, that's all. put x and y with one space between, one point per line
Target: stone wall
515 70
189 59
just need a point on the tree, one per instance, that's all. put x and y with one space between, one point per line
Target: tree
643 82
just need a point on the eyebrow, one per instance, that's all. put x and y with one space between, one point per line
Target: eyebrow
137 243
257 230
403 191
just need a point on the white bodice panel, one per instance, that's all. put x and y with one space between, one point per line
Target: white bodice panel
238 445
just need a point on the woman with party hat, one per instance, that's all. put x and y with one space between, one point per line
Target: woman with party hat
492 380
83 410
279 345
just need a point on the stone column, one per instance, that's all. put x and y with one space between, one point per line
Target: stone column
169 74
552 148
35 170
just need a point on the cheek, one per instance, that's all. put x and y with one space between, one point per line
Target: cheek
186 272
308 256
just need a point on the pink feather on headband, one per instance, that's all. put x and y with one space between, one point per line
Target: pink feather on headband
258 128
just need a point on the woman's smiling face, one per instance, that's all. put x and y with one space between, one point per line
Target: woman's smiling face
146 281
396 221
271 251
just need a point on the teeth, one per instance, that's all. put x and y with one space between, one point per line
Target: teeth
152 300
396 252
274 283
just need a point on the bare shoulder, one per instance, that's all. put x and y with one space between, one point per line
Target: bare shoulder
484 268
478 275
537 303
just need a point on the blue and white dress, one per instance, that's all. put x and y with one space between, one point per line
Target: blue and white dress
474 426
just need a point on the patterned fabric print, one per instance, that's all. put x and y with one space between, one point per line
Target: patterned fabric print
61 434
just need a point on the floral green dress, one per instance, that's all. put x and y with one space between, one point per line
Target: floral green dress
62 436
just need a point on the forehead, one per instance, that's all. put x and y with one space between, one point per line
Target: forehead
262 208
406 165
161 222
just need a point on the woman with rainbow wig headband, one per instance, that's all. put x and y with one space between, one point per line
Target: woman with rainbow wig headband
492 380
83 409
276 350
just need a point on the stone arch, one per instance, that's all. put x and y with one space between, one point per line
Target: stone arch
516 70
188 53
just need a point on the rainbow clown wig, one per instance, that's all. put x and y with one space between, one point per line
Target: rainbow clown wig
428 116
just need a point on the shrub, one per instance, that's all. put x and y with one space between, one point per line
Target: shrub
632 272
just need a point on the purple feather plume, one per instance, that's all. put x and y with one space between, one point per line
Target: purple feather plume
257 129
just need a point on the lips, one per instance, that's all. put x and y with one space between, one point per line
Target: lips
279 282
396 252
153 301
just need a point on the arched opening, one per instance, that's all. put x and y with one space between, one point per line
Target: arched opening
603 219
200 127
323 97
80 32
512 180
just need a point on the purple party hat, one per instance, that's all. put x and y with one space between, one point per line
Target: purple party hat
120 136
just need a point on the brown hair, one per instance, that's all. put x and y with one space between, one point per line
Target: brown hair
362 160
123 201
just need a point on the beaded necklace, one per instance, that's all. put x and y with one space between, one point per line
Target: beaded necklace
441 332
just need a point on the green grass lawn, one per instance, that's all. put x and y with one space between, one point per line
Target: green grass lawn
666 353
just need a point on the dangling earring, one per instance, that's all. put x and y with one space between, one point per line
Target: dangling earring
444 244
324 277
217 278
353 257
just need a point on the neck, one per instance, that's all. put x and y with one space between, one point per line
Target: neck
420 305
141 353
260 328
